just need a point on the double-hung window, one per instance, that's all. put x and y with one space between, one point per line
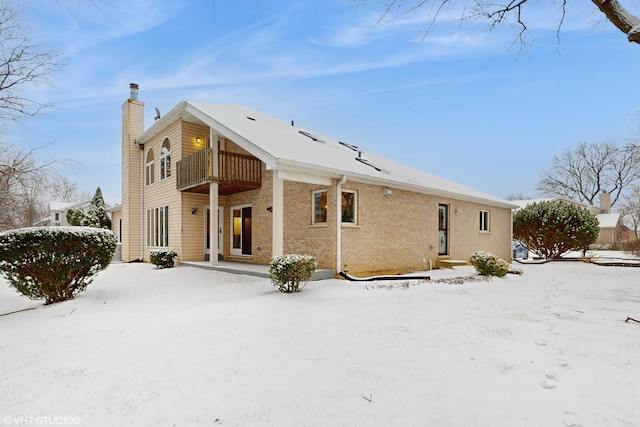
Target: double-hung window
319 207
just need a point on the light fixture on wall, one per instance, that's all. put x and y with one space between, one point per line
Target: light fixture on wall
386 191
458 211
198 140
194 211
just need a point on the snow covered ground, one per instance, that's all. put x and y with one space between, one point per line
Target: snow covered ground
189 347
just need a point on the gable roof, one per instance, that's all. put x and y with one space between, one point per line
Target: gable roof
609 220
285 146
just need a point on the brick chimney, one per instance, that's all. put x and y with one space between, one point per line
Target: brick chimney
605 202
132 163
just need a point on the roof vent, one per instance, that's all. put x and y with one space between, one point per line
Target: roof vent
309 135
368 163
251 118
352 147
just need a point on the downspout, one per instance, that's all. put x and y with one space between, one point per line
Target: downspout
342 181
141 147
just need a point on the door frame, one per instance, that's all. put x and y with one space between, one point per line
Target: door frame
443 229
241 251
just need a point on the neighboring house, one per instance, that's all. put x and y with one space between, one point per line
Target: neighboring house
610 223
58 212
225 182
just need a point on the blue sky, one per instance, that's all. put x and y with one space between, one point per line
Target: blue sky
461 103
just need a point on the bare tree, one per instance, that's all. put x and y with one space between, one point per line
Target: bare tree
23 178
510 12
582 173
630 207
23 64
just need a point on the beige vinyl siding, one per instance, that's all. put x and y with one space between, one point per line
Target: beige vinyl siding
193 226
132 127
163 192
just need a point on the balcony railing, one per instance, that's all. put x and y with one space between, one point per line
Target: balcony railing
237 172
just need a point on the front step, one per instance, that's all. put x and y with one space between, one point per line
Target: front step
449 263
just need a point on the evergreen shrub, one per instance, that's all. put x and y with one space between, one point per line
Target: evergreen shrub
288 272
54 263
551 228
162 258
488 264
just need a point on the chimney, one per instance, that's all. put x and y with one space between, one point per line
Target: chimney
605 202
134 91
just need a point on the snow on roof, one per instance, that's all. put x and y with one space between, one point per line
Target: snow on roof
609 220
285 146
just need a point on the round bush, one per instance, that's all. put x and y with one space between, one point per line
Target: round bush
287 272
488 264
162 258
54 263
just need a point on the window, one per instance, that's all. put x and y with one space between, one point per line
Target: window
149 168
484 220
158 226
165 159
57 216
319 207
349 206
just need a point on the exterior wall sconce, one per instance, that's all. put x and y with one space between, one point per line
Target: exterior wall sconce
194 211
270 209
458 211
198 140
386 191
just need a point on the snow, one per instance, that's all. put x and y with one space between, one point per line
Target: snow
188 346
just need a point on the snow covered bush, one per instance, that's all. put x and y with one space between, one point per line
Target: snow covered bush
162 258
488 264
551 228
54 263
287 272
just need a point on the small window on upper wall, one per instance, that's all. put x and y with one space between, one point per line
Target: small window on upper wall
319 206
165 159
484 220
349 207
149 168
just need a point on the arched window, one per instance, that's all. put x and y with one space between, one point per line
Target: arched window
149 168
165 159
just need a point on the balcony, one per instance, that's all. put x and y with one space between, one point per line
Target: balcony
237 172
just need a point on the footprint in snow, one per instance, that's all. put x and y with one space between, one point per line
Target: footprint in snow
571 420
541 343
550 382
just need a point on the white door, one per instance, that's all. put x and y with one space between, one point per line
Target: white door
207 230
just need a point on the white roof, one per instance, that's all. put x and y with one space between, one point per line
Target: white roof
288 147
609 220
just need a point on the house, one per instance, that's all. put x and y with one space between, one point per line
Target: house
58 212
224 182
610 223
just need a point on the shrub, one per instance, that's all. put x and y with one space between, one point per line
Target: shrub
632 247
54 263
287 272
162 258
551 228
489 265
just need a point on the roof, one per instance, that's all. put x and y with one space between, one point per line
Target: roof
523 203
609 220
288 147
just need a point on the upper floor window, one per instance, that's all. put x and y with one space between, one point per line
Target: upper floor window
319 205
484 220
165 159
149 168
349 207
